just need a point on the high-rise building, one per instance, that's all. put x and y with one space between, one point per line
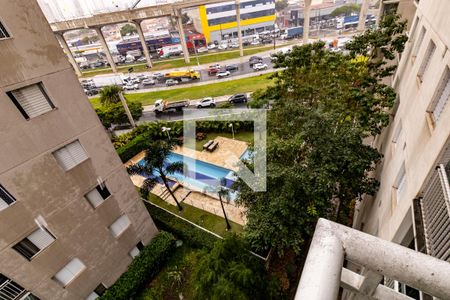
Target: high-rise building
70 219
412 206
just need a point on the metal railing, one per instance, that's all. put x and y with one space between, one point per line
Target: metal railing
435 205
324 272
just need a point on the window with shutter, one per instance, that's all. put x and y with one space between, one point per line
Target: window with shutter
401 182
97 195
6 199
70 271
441 96
70 155
120 225
419 41
35 242
134 252
31 100
426 59
4 34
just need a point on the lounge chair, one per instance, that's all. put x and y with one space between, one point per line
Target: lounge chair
205 146
213 146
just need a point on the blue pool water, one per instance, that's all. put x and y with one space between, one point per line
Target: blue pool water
201 175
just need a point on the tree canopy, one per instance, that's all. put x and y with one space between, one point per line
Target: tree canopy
346 10
325 104
127 29
281 4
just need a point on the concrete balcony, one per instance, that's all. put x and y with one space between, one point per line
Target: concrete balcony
335 247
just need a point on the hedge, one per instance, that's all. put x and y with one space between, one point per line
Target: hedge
185 231
143 268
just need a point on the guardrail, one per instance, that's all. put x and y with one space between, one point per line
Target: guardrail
324 274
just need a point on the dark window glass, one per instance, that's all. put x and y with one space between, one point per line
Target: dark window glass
5 196
140 246
103 191
3 32
100 289
26 248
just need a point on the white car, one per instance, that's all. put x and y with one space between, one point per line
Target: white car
223 46
223 74
202 49
259 67
141 59
206 102
148 82
131 86
234 45
255 42
212 46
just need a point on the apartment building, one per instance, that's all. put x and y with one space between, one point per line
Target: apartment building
412 206
70 219
218 21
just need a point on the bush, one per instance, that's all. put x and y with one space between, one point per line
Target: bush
189 233
143 268
115 113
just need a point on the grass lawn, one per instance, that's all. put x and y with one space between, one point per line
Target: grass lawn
200 217
174 278
249 84
179 62
245 136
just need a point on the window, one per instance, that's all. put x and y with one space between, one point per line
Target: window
400 183
98 292
98 195
441 96
6 199
70 155
4 34
31 100
136 250
70 271
34 243
120 225
413 29
419 41
10 290
396 136
426 60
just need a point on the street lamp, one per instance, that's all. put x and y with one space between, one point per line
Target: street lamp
232 129
167 130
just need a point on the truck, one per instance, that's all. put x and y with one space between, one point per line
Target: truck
171 50
162 106
104 80
178 75
293 32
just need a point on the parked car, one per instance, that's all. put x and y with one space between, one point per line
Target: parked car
91 92
231 68
234 45
238 98
170 82
141 59
211 46
254 42
148 82
223 45
202 49
259 67
131 86
222 74
206 102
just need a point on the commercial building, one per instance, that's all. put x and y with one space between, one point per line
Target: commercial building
218 21
70 219
412 205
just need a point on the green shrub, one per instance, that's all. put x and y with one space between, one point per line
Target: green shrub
185 231
114 113
143 268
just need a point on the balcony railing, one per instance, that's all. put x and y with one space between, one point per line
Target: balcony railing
324 272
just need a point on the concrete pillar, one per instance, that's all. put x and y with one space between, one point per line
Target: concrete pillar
182 37
363 15
127 110
62 41
106 49
144 45
238 20
306 17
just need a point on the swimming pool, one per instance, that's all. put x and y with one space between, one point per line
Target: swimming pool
201 176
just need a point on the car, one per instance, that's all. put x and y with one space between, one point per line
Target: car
246 43
141 59
212 46
234 45
254 42
238 98
131 86
148 82
259 67
206 102
231 68
267 41
223 45
222 74
170 82
91 92
255 60
202 49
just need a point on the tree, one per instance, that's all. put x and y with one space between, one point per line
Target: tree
127 29
230 271
115 113
223 192
324 105
346 10
155 165
281 4
110 94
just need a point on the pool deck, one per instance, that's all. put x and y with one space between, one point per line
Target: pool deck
226 156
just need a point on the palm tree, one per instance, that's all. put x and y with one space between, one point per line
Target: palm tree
222 192
155 165
110 94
